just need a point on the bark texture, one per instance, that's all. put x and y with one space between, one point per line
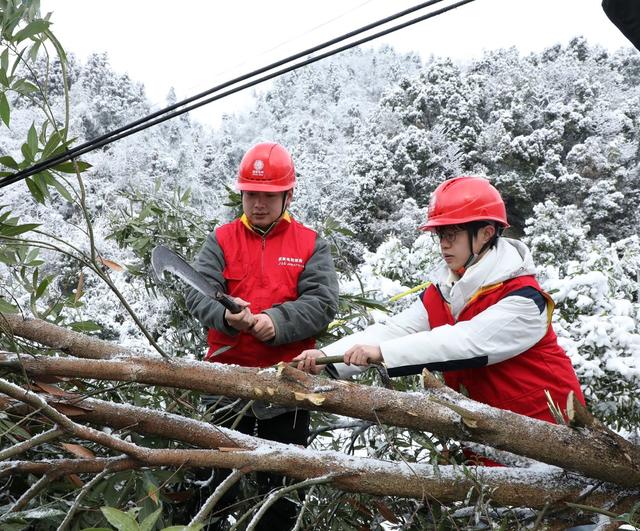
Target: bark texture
595 454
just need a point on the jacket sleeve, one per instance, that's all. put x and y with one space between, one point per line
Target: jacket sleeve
410 321
508 328
209 262
511 326
317 301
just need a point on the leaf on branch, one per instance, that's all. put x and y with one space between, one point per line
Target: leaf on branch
75 479
69 410
15 230
52 143
6 307
70 167
51 180
9 162
24 87
78 450
121 521
50 389
386 512
111 264
148 524
360 507
31 29
4 60
35 189
85 326
32 139
314 398
5 111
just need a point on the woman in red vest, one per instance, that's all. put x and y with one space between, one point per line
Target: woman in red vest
484 320
283 275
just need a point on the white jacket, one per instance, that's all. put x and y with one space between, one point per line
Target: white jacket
511 326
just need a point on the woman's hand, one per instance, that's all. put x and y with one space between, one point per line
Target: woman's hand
363 355
307 361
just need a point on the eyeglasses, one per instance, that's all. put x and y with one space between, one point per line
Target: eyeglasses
448 235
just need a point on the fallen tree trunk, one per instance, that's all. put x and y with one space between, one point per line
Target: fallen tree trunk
594 454
56 337
446 484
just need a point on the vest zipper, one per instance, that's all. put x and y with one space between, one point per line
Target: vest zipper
263 244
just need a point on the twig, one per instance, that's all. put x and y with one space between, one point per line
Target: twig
276 495
69 466
241 413
76 503
41 438
68 425
540 517
32 492
220 491
305 503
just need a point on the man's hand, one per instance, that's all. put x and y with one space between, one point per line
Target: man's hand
262 329
307 361
363 355
240 321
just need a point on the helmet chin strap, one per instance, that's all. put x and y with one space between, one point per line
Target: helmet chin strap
473 257
264 232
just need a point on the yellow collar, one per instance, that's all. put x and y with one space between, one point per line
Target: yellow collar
245 220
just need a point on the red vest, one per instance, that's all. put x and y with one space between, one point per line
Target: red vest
264 272
519 383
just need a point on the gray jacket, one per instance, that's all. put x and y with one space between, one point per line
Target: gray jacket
305 317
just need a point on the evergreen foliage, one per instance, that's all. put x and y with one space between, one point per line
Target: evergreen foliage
372 133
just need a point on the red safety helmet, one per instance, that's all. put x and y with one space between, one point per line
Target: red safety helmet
462 200
266 167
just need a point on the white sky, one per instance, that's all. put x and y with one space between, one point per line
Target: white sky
196 44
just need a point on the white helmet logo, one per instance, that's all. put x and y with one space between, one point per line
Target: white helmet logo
258 167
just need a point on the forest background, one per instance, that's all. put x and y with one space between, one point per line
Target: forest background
372 132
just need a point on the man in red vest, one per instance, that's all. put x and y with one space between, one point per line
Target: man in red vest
485 321
283 275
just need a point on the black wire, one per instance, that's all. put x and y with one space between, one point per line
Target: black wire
148 121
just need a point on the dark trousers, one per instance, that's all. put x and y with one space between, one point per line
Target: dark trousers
289 428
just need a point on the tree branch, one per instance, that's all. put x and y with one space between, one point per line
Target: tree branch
41 438
220 491
593 453
83 492
514 487
276 495
59 338
33 491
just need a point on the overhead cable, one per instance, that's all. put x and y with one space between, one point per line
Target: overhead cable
188 104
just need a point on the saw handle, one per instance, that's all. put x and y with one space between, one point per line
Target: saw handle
228 302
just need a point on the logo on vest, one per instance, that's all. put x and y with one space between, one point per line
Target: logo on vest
258 168
290 261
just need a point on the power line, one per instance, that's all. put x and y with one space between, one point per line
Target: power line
183 106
